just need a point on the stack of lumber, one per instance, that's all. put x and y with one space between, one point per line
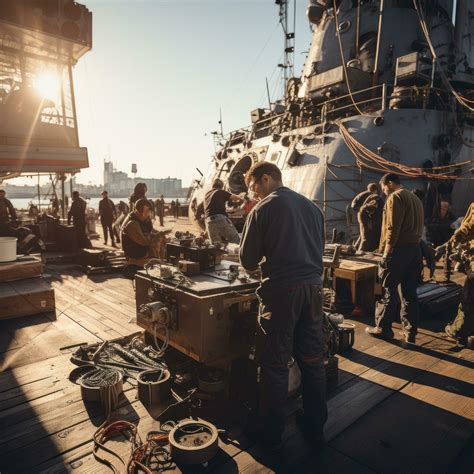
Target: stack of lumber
97 262
23 292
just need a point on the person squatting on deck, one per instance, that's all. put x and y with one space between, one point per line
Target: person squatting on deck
107 215
463 325
7 211
369 207
284 235
219 226
78 215
402 228
140 242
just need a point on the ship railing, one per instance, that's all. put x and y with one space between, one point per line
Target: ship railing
371 99
371 95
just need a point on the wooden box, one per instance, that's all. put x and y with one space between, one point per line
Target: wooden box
25 298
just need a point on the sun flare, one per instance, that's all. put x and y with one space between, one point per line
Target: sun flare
48 86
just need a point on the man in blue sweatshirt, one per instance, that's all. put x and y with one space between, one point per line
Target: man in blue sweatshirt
284 236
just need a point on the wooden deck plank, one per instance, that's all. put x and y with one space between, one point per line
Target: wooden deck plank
380 385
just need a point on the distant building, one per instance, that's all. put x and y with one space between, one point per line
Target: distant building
119 183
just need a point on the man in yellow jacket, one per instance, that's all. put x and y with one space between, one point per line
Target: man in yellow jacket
463 325
401 265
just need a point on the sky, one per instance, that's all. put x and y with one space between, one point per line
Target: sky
150 90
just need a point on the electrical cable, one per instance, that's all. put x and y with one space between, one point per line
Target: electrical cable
370 160
161 350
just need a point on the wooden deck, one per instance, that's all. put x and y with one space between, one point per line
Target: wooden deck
391 409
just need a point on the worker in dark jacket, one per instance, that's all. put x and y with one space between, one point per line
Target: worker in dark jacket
463 325
107 216
284 236
160 209
402 227
219 227
78 215
438 227
369 207
7 211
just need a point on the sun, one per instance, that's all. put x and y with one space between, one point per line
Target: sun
48 86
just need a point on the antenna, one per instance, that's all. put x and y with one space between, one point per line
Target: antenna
268 95
220 122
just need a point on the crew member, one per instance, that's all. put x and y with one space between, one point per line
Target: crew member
160 209
78 215
402 227
369 207
438 227
123 211
7 211
178 208
139 192
463 325
107 216
219 226
284 235
139 242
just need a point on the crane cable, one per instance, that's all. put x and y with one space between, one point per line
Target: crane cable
464 101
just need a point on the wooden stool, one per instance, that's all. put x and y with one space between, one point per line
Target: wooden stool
362 277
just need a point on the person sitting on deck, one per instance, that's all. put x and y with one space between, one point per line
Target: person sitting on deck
139 242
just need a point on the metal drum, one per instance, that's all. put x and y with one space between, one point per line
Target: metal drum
346 336
154 386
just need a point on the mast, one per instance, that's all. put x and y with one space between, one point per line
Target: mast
289 44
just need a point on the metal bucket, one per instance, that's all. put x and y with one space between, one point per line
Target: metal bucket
8 249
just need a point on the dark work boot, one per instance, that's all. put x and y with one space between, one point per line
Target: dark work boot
379 333
259 436
313 437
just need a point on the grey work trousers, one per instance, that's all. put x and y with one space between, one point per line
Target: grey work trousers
402 269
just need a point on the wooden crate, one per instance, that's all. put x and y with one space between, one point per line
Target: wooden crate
27 266
25 298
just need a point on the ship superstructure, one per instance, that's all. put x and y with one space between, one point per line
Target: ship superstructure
387 85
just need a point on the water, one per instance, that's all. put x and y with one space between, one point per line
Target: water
23 203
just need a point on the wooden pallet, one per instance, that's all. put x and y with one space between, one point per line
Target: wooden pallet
25 298
27 266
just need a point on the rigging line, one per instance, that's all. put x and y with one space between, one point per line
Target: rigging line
462 100
343 61
264 47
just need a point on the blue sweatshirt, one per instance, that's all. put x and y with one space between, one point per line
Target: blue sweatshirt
286 231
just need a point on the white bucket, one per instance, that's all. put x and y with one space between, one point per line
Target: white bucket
8 249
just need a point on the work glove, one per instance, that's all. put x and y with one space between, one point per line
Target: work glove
386 260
